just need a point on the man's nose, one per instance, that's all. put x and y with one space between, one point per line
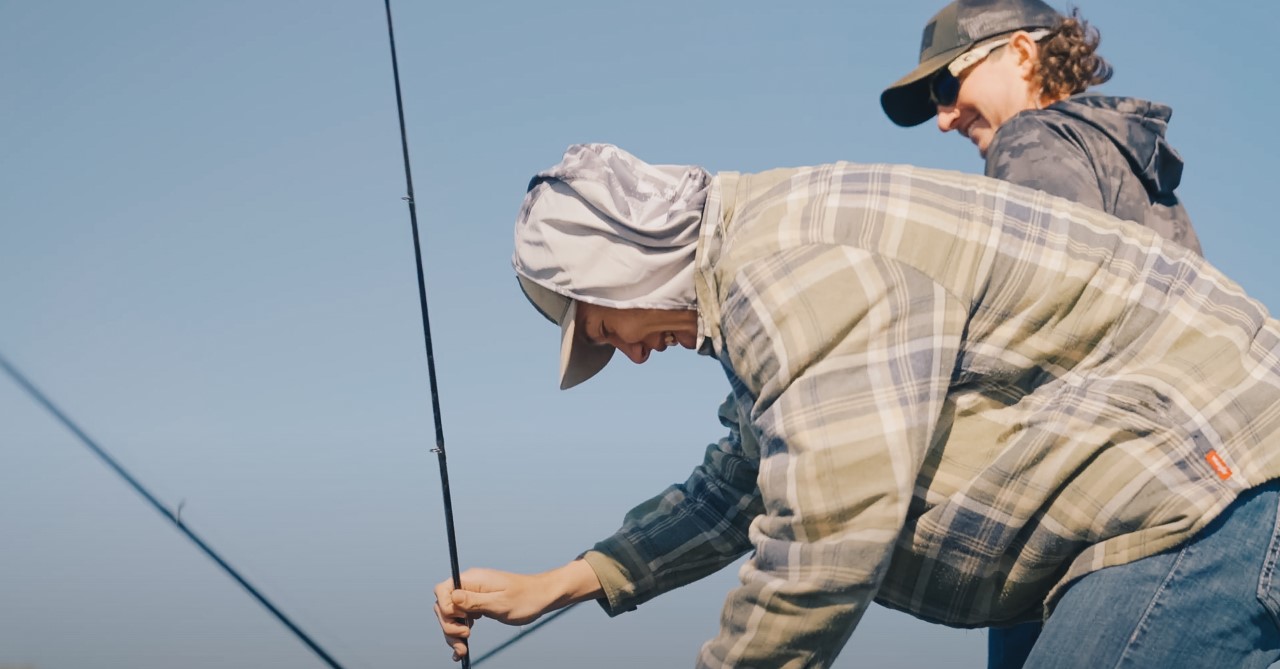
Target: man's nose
947 117
636 352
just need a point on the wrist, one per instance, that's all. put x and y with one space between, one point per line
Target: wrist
576 582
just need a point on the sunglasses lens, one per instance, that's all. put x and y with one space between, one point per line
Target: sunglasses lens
944 88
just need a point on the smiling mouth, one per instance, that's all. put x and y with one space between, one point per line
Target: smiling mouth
965 131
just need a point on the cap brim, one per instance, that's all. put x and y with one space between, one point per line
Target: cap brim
907 102
579 359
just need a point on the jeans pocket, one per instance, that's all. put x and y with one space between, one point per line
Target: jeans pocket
1269 580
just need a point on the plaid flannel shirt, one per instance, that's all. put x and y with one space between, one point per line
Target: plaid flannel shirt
950 394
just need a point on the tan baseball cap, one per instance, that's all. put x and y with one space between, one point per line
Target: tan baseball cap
580 359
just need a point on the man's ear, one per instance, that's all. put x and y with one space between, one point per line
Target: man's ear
1027 51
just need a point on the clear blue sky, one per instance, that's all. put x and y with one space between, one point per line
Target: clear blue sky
205 259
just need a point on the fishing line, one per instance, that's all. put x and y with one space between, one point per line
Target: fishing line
523 633
173 516
426 322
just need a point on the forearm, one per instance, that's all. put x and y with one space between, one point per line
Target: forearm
687 532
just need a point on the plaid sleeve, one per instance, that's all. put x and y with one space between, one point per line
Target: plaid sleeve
688 531
847 357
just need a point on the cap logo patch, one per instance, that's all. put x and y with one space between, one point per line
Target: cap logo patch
926 41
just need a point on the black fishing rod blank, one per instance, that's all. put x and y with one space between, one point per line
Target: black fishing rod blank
173 517
426 322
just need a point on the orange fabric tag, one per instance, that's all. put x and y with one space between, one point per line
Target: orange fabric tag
1219 466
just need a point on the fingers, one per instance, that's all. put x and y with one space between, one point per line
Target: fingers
444 600
474 598
513 599
455 624
503 606
455 633
483 593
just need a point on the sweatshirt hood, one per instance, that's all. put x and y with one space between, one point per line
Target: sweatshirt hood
1137 128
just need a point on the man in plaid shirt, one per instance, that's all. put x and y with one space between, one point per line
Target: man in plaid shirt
958 397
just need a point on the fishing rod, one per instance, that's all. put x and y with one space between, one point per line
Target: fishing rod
426 323
173 516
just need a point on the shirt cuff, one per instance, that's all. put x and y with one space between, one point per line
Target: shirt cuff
619 591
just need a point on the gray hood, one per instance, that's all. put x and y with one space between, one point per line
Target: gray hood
1137 129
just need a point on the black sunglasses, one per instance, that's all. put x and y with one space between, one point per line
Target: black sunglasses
944 88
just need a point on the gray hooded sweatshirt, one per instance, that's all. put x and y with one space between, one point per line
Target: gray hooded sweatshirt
1106 152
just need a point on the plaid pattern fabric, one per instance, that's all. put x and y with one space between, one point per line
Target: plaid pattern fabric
950 394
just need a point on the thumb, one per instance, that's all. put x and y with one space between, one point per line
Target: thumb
496 605
470 601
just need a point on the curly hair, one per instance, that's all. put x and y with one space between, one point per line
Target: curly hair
1069 62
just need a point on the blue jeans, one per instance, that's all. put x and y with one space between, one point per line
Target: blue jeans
1212 603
